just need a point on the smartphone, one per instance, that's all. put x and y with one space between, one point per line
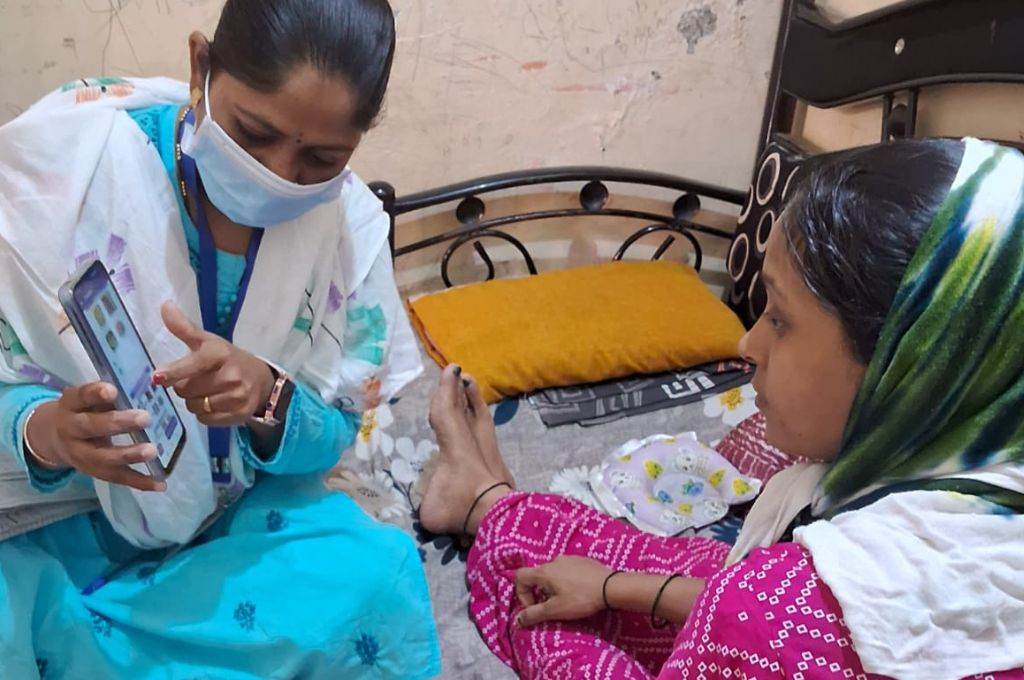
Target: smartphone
99 317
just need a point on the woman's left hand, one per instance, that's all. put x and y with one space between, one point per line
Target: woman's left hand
221 384
570 589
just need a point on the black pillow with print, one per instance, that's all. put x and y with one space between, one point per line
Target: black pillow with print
778 171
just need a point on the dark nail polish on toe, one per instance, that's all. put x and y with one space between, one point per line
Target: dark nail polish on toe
465 383
458 371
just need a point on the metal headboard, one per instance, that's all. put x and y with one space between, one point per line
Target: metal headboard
470 210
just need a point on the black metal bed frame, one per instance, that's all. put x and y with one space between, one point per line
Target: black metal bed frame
593 199
890 53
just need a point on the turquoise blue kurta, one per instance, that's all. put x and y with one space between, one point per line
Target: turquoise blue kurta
293 581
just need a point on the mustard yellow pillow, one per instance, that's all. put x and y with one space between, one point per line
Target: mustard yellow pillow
577 326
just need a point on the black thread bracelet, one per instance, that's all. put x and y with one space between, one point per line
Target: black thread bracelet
657 598
604 587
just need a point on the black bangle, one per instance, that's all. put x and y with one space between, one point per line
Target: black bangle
604 587
657 598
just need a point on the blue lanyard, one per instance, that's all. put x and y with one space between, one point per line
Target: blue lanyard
220 437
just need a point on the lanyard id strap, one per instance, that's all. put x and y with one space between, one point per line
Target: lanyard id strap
219 437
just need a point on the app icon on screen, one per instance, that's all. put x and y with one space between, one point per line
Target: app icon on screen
111 340
98 313
119 327
108 303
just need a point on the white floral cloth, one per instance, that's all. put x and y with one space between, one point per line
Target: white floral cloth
666 485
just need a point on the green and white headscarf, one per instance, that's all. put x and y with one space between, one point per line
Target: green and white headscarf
920 531
942 403
944 391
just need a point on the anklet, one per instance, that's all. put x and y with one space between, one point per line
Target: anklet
465 524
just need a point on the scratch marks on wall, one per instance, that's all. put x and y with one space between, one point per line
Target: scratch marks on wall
477 87
576 80
696 24
533 28
112 10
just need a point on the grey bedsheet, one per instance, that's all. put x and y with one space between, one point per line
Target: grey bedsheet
382 471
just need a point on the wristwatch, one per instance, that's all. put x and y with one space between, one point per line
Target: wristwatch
270 416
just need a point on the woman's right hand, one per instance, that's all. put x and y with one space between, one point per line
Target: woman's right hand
570 588
75 431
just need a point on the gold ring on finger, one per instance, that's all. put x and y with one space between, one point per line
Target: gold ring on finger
206 405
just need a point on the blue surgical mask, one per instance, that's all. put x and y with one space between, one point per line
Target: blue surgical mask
240 186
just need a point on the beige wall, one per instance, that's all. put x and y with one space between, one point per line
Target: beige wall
983 110
479 86
837 10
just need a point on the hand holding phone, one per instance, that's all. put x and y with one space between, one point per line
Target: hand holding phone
76 432
112 341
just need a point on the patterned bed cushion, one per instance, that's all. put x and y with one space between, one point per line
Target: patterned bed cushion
604 402
747 450
778 172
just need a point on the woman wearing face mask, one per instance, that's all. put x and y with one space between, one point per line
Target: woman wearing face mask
256 268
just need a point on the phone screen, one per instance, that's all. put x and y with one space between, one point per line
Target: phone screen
120 343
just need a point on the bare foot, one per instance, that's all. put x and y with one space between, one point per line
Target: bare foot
482 424
459 473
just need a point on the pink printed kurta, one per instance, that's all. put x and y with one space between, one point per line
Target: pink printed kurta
769 616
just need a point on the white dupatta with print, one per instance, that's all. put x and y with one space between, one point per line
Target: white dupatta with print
78 179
